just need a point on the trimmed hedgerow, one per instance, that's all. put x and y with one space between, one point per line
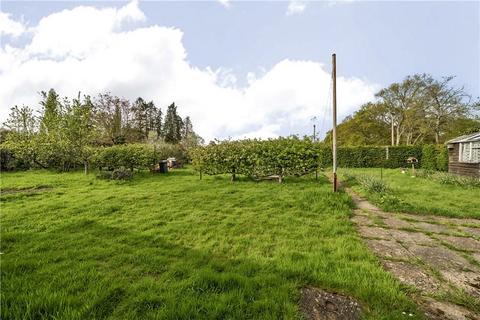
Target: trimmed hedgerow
292 157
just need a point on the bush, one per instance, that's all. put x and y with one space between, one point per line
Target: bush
442 158
429 157
137 156
117 174
291 157
122 174
373 185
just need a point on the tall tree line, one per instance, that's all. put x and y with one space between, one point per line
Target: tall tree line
65 131
420 109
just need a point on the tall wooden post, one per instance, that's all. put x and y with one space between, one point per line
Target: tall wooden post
334 130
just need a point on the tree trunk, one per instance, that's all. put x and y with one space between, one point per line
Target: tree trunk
393 132
85 167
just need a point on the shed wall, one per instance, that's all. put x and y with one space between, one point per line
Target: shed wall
461 168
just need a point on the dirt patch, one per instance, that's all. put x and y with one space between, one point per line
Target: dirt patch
25 190
317 304
412 275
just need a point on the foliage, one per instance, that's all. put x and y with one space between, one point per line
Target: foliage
68 133
430 192
372 185
442 158
120 174
429 157
173 247
291 157
417 110
136 156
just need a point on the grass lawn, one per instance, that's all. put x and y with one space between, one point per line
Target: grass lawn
173 247
421 195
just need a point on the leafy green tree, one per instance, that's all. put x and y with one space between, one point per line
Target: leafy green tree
21 120
173 125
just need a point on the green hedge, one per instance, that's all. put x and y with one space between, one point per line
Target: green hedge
293 157
136 156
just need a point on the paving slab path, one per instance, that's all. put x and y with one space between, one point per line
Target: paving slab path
437 257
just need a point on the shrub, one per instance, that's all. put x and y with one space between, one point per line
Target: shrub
373 185
442 158
122 174
429 157
117 174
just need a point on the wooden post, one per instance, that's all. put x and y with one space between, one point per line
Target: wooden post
334 130
314 139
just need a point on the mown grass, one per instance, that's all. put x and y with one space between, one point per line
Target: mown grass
418 195
173 247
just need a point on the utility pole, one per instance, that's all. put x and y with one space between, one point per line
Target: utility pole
334 130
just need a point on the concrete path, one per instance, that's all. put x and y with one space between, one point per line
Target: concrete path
438 258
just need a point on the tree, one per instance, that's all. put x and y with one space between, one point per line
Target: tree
173 125
51 112
21 120
403 102
367 126
446 104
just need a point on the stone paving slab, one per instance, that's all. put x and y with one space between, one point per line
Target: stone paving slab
440 257
388 249
410 238
434 228
462 243
431 258
412 275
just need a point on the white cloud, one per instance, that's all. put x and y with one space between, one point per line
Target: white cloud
150 61
296 7
225 3
10 27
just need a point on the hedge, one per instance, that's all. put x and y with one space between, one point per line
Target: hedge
294 157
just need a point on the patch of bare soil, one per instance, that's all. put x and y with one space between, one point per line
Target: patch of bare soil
318 304
25 190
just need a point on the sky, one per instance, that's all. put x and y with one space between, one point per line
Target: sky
237 68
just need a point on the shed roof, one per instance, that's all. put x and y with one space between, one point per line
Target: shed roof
466 138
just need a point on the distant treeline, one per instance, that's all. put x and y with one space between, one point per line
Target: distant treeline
418 110
67 132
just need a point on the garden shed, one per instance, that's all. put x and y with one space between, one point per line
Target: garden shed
464 155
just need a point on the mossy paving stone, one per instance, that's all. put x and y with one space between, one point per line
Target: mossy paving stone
461 243
440 257
388 249
435 228
361 220
440 310
467 280
318 304
413 275
472 231
409 238
396 223
374 232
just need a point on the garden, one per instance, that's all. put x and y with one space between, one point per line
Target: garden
195 244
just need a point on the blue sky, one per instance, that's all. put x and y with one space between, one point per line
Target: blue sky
376 43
